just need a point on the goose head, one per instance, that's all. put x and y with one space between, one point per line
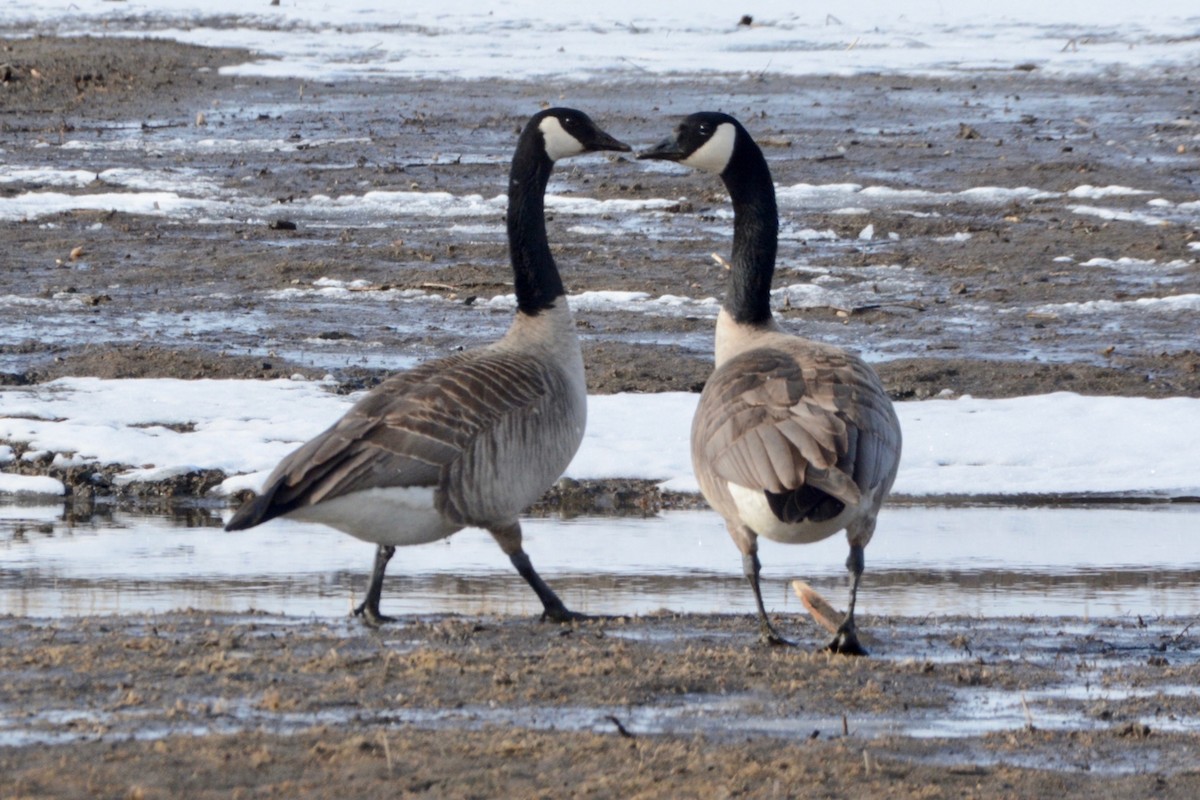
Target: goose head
567 132
705 140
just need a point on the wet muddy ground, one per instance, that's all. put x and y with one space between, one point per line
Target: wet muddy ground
657 706
193 704
949 293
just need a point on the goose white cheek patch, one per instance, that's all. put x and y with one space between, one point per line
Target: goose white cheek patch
559 143
714 155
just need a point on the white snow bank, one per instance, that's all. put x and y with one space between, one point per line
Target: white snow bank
1044 445
525 39
29 484
1171 304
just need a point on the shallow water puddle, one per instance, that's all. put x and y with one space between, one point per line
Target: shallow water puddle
1058 708
721 716
983 562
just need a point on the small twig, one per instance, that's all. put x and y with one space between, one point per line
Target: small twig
621 729
387 664
1028 714
387 751
721 261
1182 633
635 66
845 726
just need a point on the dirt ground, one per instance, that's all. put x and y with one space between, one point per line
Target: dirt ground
1022 131
191 705
660 706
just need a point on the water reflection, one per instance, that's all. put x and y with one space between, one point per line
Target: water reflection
1086 562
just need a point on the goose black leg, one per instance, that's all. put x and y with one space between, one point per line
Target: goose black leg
845 641
509 539
369 609
766 632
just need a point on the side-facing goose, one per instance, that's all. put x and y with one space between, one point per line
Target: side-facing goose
469 440
793 440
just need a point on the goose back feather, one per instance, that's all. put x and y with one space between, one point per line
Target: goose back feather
807 425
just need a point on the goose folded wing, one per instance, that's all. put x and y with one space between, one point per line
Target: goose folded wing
407 430
877 443
774 421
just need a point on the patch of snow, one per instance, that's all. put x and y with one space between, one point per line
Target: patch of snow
30 484
1089 192
969 447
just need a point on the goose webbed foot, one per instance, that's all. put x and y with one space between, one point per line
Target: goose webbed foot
371 615
561 614
769 636
845 642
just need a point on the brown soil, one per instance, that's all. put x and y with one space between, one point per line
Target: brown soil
197 705
137 265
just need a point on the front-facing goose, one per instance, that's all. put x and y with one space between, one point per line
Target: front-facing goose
469 440
793 440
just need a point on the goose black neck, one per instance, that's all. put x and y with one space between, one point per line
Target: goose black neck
535 275
755 233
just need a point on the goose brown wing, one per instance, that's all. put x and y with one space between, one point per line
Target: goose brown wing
403 433
778 421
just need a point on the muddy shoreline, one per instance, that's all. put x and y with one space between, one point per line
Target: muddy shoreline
458 707
340 138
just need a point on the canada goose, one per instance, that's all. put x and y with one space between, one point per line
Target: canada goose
468 440
793 440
